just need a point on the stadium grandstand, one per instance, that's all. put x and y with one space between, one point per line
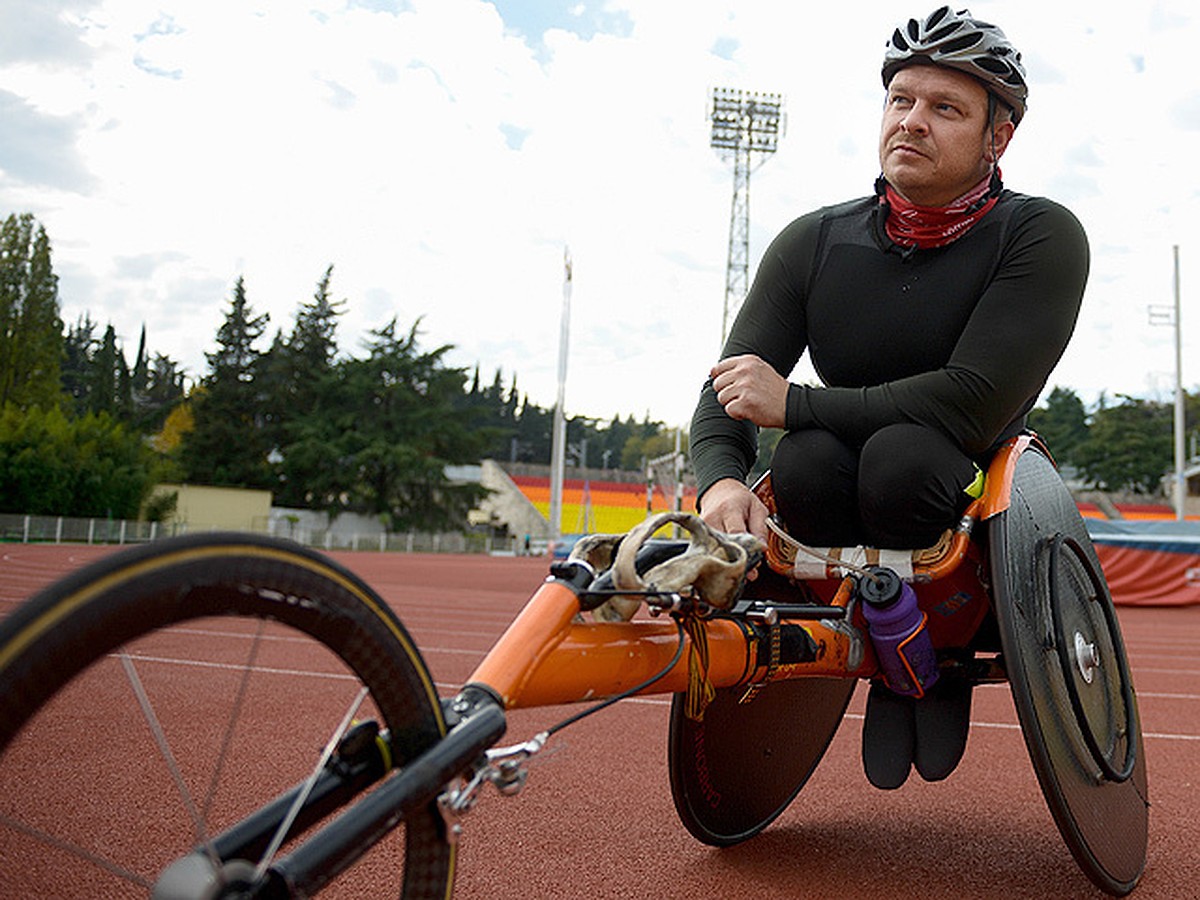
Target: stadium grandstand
594 500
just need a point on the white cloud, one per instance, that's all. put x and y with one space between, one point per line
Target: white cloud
441 156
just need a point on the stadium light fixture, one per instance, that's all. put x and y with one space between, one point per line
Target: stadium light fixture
746 126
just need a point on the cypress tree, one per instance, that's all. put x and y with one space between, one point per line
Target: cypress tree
31 332
227 446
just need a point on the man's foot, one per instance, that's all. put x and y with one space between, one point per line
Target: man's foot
889 737
942 718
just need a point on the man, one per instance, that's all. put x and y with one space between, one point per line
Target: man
933 312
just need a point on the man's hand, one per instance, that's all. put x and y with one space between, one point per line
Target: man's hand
749 388
730 506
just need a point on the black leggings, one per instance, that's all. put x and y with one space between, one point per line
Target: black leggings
902 489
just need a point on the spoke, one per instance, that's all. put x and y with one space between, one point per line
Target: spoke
302 797
164 749
234 716
75 850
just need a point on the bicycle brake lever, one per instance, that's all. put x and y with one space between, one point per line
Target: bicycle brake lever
500 766
508 772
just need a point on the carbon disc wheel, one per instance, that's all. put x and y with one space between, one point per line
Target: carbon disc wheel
733 773
1069 676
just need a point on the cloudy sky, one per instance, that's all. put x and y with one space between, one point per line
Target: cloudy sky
442 154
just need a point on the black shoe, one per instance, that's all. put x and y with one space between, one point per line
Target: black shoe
942 718
889 737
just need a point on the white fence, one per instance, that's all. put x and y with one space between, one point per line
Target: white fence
62 530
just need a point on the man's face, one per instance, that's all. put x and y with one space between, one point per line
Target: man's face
934 144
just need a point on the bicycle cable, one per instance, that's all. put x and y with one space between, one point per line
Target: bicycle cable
604 704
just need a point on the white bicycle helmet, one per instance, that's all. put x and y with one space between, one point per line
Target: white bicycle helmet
955 39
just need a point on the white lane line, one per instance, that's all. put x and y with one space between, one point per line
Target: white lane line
204 664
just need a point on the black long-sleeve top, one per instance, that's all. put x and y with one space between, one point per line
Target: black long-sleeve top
960 338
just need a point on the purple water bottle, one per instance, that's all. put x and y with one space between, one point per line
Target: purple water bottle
898 632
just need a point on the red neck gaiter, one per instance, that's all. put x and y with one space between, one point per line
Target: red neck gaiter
910 225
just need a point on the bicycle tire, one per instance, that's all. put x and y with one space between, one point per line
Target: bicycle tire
62 642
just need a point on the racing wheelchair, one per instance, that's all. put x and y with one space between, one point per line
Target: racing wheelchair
369 755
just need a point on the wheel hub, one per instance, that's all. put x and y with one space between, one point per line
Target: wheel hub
1087 658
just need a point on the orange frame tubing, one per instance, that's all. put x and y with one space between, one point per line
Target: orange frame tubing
1000 471
546 656
549 655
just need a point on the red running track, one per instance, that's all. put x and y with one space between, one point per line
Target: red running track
596 820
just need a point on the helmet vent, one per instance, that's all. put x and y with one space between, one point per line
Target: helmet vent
942 33
961 43
936 16
997 66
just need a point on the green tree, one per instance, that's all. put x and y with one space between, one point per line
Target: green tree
299 384
647 441
139 376
612 441
534 433
1129 446
163 392
522 431
108 383
227 446
96 378
1191 423
79 345
410 420
314 338
87 466
500 407
1062 422
31 338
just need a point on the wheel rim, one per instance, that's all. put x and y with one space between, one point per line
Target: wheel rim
1092 635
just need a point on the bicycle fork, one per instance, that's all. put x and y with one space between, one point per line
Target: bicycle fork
222 867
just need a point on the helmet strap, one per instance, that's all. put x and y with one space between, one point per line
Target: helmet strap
991 120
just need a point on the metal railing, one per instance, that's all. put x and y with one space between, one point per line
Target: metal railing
30 529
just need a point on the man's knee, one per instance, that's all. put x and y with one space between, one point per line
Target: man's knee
813 477
898 457
910 485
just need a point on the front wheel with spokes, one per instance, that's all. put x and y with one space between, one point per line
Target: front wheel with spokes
158 697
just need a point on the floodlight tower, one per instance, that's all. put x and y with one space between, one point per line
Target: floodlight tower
745 126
